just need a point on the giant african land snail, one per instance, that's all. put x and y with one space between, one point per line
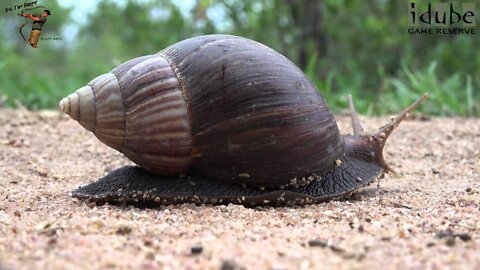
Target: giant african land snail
219 119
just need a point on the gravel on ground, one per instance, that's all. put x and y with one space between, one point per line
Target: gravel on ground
427 217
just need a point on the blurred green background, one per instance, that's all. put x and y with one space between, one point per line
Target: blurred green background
344 46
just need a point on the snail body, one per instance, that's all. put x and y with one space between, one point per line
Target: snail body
221 119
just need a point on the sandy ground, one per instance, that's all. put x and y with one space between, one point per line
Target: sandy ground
428 217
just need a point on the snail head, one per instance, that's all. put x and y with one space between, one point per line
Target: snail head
369 147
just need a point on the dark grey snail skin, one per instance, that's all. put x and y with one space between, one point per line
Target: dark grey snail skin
132 184
222 119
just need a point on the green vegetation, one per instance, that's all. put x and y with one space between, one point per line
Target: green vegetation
346 47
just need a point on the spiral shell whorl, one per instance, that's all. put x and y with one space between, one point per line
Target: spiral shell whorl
138 109
98 107
256 119
158 135
80 106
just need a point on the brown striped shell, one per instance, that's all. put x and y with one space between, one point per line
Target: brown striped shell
223 106
138 109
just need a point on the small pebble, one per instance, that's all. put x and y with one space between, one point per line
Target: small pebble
231 265
336 248
196 249
338 162
464 236
317 243
123 230
450 241
150 255
148 242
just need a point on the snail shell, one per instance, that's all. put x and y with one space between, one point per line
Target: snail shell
228 112
138 109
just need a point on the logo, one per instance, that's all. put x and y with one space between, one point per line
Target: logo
37 20
442 19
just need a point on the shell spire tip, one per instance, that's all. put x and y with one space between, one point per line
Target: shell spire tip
80 106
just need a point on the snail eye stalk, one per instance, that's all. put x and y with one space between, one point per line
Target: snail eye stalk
357 126
385 131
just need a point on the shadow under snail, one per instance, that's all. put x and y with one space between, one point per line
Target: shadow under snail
223 119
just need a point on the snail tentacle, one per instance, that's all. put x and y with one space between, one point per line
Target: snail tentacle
384 132
356 124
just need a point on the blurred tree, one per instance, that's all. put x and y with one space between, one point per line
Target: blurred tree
344 46
307 16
